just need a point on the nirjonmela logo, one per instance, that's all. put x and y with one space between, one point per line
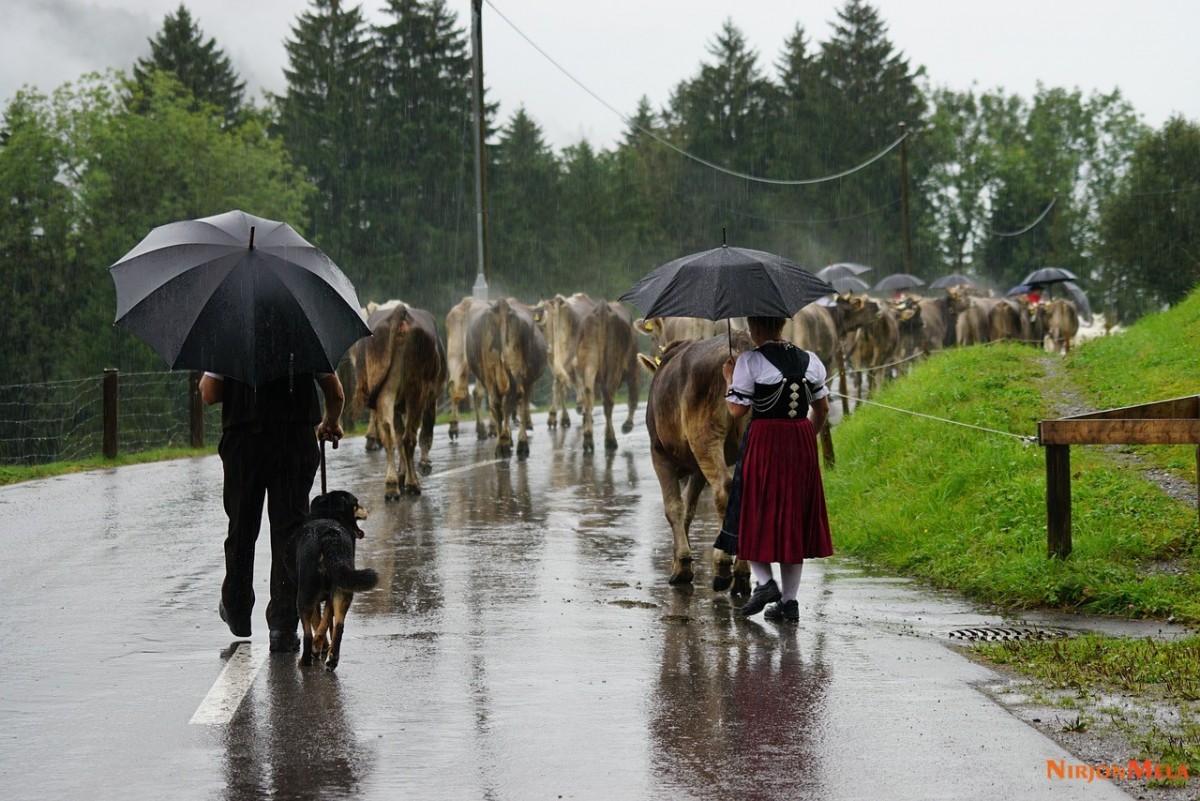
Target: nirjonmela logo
1146 769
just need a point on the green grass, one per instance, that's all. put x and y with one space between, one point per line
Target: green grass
966 510
1166 674
13 474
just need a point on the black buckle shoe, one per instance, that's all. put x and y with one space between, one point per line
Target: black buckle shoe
284 642
763 594
783 610
239 628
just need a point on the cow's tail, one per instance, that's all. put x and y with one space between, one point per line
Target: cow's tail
362 396
343 575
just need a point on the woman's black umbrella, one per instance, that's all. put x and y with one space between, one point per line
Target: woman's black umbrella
726 282
238 295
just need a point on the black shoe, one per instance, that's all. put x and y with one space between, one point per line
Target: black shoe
240 628
763 594
783 610
284 642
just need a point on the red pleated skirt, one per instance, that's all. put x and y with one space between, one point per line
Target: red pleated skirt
783 516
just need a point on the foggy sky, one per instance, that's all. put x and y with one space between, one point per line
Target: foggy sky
624 49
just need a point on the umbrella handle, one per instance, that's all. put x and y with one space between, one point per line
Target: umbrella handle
323 489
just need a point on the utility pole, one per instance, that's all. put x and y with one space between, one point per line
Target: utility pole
908 254
480 290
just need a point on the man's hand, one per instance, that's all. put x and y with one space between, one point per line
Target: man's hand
330 432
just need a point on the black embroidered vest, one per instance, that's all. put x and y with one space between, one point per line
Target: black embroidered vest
789 399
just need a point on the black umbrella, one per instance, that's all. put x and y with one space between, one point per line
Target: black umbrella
726 282
898 282
238 295
952 280
842 269
847 284
1049 275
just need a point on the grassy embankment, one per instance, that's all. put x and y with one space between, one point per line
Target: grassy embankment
965 509
10 474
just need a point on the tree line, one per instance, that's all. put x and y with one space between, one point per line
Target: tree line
368 153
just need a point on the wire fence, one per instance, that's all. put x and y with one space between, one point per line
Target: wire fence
64 420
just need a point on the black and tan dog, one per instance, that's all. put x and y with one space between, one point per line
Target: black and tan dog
325 573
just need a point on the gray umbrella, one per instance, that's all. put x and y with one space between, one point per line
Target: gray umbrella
726 282
1081 301
898 282
842 269
1049 275
848 283
238 295
954 279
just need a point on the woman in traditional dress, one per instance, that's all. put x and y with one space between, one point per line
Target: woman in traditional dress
776 510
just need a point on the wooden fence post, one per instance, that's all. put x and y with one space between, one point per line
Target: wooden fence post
195 410
843 386
826 439
1058 500
110 388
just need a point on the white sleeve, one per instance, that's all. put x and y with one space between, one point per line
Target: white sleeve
741 386
816 375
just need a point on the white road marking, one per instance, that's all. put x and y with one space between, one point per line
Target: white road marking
223 700
474 466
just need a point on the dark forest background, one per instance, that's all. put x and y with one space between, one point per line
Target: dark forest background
368 154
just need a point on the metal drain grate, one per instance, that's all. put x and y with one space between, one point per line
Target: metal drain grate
1007 633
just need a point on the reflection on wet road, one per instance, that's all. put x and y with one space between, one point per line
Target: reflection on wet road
523 643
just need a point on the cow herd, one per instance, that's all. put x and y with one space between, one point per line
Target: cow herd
495 352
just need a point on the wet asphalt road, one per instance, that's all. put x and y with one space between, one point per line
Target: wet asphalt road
523 644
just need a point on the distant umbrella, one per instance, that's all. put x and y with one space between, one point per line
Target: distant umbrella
954 279
847 284
842 269
1049 275
897 282
1081 301
1019 289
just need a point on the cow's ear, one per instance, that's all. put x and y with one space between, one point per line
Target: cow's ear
651 365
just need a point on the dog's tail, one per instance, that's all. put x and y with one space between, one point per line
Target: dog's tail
342 574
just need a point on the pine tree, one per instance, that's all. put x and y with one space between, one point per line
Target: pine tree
523 198
324 120
420 183
865 89
200 66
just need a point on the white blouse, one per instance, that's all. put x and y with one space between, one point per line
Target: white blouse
752 367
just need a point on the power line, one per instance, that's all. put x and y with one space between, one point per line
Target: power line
681 151
1031 226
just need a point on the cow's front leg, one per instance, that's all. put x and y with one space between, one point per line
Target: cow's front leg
632 383
408 447
481 430
673 508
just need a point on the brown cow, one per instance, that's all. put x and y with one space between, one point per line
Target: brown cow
665 330
507 354
935 324
458 321
605 356
404 377
972 326
559 319
693 438
1063 324
358 358
876 339
813 328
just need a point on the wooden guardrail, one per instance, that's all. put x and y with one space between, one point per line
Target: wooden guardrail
1169 422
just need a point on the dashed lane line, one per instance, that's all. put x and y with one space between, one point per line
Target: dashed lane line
223 700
